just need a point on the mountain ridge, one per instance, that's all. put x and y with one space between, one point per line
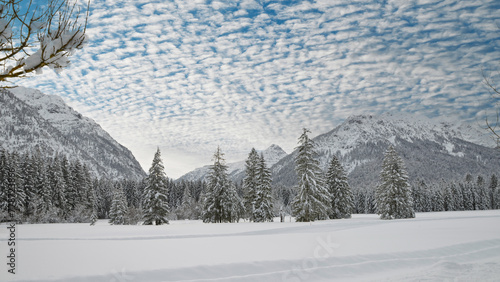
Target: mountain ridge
31 119
236 170
431 149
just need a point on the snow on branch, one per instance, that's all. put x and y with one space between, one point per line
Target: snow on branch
33 37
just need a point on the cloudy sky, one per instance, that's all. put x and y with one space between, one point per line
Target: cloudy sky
189 75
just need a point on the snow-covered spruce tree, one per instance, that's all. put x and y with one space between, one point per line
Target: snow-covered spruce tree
189 208
448 197
93 200
263 197
458 197
492 189
483 199
155 200
56 181
341 198
393 195
221 202
119 209
250 183
34 36
311 201
28 178
468 193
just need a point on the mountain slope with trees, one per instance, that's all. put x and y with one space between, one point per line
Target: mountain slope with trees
31 120
432 150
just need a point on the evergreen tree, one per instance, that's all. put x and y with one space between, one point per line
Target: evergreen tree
42 188
341 198
221 202
359 200
235 203
468 193
497 199
250 183
370 201
393 195
437 199
28 179
493 187
155 199
458 197
119 209
263 198
482 199
93 201
189 208
448 198
311 201
56 182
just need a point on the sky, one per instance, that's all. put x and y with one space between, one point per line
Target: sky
188 76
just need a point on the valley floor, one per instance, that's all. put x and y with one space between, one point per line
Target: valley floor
455 246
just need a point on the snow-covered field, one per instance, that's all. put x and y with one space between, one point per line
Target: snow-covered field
453 246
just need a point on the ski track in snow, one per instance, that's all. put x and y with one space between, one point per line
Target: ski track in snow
446 246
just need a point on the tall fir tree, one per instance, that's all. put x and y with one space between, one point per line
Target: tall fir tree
155 200
56 181
448 198
492 191
393 195
93 200
28 179
482 195
341 198
458 197
311 201
119 208
263 197
250 183
468 193
221 202
189 208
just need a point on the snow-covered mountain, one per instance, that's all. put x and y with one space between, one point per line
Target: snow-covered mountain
30 119
236 170
432 149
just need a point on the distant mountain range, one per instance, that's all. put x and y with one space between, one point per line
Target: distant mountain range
30 119
432 150
236 170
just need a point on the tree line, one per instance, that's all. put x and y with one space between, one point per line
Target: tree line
37 189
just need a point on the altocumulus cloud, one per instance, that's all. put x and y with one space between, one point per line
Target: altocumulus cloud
190 75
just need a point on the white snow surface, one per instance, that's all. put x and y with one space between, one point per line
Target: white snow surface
444 246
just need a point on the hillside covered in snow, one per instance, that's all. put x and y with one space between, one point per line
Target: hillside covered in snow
441 246
431 149
236 170
31 120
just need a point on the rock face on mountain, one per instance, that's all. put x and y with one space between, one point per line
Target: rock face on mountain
431 150
236 170
31 120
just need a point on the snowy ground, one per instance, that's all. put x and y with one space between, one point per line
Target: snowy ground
455 246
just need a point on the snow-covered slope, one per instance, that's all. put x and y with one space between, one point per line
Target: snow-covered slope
432 149
441 246
236 170
30 119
